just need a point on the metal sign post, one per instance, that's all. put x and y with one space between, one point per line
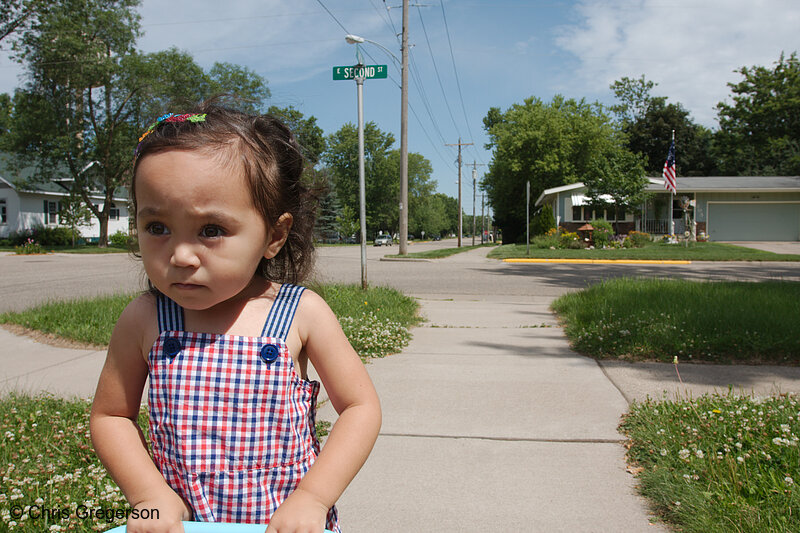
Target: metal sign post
360 73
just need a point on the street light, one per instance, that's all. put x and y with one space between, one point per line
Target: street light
355 39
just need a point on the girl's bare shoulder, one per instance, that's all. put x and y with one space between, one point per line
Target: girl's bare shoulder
138 322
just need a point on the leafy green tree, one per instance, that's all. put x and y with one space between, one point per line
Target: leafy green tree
651 135
74 214
633 98
648 122
347 222
16 15
616 181
309 135
90 94
548 144
759 133
381 186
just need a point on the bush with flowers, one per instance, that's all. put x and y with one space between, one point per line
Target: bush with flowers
28 247
637 239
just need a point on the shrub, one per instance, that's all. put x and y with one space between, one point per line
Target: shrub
568 239
603 231
28 247
544 221
549 240
120 239
47 236
637 239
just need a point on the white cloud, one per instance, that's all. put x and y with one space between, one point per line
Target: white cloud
689 47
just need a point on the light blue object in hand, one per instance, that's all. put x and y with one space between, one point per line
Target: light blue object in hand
215 527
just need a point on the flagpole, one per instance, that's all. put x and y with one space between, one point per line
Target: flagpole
672 195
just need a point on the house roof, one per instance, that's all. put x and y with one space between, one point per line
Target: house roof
59 186
547 193
731 184
700 184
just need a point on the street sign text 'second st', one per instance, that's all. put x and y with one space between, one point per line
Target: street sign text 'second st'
364 71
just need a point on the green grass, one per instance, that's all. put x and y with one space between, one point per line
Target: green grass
719 463
699 321
88 320
80 249
699 251
47 462
375 321
443 252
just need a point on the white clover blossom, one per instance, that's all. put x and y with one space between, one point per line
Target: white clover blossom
684 454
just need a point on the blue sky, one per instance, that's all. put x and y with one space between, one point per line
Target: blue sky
502 52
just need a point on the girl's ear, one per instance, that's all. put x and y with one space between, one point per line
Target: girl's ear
277 235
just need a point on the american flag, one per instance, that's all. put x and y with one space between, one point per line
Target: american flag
669 169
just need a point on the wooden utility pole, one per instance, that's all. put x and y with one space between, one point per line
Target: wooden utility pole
404 137
475 166
460 223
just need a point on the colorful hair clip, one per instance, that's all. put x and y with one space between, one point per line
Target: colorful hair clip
168 117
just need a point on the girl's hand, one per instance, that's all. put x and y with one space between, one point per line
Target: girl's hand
301 512
172 510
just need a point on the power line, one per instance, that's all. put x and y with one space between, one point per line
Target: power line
334 17
455 71
436 69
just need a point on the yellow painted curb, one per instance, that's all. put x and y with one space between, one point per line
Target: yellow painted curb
602 261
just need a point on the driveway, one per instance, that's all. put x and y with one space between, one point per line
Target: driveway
778 247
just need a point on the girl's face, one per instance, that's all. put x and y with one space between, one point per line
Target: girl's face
200 236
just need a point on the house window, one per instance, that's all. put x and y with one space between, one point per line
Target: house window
577 213
113 213
50 212
3 216
677 210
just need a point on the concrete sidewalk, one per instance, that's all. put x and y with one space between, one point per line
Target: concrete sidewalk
496 427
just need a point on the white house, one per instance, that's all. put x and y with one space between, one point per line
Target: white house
22 209
725 208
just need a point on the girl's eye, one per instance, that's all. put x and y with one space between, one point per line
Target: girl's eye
157 228
211 232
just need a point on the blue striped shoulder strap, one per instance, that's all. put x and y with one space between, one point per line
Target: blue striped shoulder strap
281 314
170 314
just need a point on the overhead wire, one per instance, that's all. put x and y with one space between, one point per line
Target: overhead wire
436 70
458 83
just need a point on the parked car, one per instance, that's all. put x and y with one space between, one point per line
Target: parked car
383 240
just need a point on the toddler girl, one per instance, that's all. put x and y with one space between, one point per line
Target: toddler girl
224 335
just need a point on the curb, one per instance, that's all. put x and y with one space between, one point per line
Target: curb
603 261
406 259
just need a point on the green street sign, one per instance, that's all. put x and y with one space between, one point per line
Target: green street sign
365 71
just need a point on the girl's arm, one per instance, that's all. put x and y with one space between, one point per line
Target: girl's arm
352 436
116 436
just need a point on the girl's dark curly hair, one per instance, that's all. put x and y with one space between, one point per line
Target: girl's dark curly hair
272 162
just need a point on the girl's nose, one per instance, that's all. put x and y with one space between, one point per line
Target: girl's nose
184 255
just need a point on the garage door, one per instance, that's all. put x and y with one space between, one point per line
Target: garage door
754 222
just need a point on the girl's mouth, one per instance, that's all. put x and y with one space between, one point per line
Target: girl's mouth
186 286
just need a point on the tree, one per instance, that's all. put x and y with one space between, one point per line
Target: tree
648 122
74 214
633 98
548 144
15 15
90 94
381 186
616 181
650 136
310 136
759 133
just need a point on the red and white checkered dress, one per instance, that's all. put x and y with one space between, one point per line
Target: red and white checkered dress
231 421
